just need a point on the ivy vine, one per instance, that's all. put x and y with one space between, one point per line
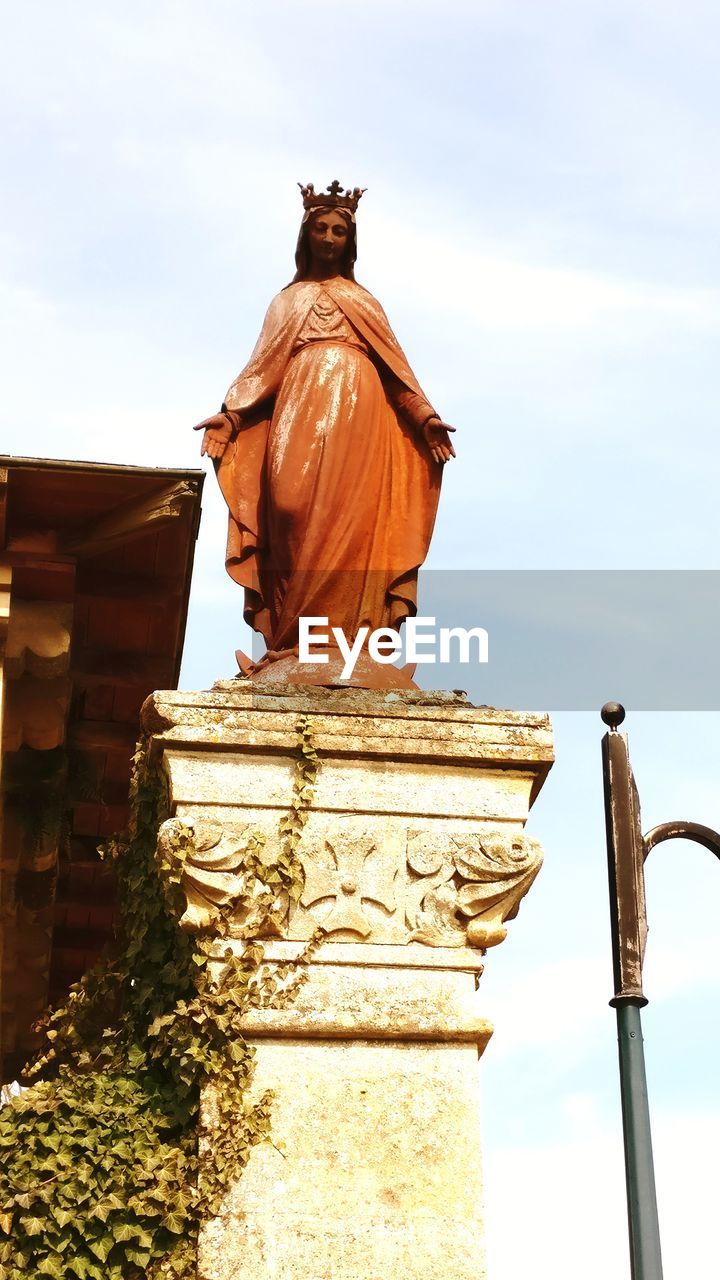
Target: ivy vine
107 1166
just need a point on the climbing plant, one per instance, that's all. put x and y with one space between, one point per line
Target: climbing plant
108 1166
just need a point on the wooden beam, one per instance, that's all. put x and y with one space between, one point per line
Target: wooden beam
126 669
131 520
37 578
148 591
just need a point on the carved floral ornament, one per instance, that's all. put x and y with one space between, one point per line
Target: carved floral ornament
467 886
458 889
216 873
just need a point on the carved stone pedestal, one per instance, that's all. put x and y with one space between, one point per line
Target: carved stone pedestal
414 858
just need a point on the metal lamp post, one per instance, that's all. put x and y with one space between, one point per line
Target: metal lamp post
627 850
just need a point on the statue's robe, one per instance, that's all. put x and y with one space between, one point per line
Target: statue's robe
331 488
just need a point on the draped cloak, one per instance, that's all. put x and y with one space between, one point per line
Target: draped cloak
331 488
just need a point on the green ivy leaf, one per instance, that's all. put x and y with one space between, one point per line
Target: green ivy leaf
62 1216
51 1266
33 1226
108 1141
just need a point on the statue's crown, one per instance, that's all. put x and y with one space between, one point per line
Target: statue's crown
333 198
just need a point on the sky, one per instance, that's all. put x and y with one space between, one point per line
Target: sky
540 226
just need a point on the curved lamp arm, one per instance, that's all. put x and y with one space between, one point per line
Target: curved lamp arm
682 831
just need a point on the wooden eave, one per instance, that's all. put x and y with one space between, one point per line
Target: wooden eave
95 570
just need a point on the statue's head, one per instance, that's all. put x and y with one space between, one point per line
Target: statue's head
327 232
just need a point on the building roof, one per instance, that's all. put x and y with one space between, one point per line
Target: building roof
95 568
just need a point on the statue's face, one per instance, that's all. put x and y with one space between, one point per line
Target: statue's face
327 238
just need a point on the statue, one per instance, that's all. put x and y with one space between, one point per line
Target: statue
329 457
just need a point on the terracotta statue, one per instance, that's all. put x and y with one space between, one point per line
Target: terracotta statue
329 457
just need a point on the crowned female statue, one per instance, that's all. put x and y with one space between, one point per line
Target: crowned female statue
329 457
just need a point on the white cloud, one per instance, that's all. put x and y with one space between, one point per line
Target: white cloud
500 287
573 992
557 1212
528 1012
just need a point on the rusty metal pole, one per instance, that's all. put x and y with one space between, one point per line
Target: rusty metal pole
627 850
629 931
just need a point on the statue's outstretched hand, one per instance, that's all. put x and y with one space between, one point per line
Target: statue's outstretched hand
436 434
216 435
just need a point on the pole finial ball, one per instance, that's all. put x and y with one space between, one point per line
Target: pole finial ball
612 714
